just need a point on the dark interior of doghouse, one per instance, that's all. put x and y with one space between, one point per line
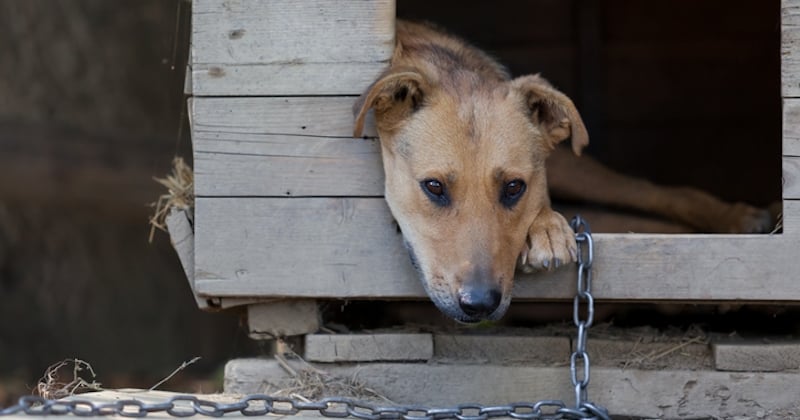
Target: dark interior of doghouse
683 93
679 92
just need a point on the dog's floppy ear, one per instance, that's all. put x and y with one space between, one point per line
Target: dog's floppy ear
553 111
394 96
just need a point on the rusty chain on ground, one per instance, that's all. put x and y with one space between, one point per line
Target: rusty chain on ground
341 407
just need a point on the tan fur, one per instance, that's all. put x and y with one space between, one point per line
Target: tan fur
447 112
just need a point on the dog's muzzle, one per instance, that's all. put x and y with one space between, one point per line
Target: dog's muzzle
479 301
476 301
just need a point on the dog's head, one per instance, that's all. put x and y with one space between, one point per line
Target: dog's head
465 177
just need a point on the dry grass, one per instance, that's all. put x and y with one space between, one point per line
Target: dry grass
310 383
652 359
183 366
180 194
51 387
778 224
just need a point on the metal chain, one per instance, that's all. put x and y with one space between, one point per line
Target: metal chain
340 407
333 407
583 298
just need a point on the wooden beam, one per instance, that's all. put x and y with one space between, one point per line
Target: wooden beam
308 166
368 347
328 116
791 217
350 248
791 126
282 318
791 177
283 147
181 234
501 347
625 392
790 48
286 47
756 355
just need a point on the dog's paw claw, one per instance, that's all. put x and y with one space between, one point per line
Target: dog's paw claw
550 244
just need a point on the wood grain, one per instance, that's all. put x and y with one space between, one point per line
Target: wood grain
287 47
282 318
626 392
283 147
791 127
791 177
368 347
790 48
349 248
756 355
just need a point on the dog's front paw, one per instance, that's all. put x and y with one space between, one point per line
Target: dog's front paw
550 243
744 218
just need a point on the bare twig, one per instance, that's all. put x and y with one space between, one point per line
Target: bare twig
183 366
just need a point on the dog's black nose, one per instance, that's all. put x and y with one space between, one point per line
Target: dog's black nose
478 301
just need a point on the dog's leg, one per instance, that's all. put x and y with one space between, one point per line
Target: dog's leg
573 178
550 243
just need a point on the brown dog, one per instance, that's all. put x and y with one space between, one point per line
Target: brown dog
464 149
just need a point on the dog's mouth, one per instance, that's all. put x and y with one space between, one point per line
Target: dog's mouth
450 305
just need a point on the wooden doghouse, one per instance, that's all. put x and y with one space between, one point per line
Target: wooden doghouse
289 207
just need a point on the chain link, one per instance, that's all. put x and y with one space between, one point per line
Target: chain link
583 300
342 407
335 407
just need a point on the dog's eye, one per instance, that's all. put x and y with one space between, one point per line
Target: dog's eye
434 187
512 192
435 191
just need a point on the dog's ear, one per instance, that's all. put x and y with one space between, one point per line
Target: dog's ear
552 110
394 96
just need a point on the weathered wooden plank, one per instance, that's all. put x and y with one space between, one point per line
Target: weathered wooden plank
791 126
791 177
494 348
279 247
302 146
317 167
284 79
329 116
756 356
282 318
349 247
187 81
368 347
287 47
181 235
790 48
791 217
625 392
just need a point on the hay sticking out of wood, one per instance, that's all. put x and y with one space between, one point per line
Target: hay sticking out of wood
51 387
180 194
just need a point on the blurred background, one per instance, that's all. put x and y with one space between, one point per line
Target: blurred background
91 109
